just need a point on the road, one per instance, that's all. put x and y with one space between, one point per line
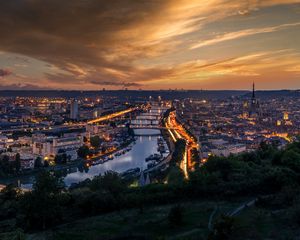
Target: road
177 131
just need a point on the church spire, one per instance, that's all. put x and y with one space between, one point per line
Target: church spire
253 91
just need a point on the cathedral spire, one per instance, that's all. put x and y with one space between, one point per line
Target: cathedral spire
253 91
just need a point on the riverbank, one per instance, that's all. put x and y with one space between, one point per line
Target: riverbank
58 168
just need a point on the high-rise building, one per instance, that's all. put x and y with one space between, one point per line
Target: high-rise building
74 109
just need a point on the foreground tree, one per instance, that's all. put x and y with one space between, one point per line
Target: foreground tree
175 176
40 208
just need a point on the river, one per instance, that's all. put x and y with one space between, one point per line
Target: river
144 146
135 158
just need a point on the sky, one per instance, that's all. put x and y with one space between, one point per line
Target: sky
149 44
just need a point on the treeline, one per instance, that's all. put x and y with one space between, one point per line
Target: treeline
11 166
268 173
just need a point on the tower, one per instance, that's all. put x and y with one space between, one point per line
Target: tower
253 93
254 110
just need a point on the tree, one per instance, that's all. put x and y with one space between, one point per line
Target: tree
95 141
291 159
177 155
41 208
46 164
110 182
48 183
60 158
18 162
222 165
175 176
5 165
83 151
38 162
195 158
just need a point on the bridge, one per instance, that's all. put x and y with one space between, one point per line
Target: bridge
150 127
148 117
112 115
146 127
144 122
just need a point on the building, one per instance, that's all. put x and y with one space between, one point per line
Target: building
74 109
48 148
27 161
223 150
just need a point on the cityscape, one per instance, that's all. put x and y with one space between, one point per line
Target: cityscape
149 120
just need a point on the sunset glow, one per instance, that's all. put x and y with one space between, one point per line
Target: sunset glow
149 44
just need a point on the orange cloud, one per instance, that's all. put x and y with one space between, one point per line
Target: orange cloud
241 34
134 43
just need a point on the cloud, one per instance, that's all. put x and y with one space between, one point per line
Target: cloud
5 72
259 65
113 83
92 42
18 87
241 34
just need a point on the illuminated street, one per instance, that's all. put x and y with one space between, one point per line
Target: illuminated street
177 131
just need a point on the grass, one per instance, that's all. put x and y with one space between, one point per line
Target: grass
257 223
152 223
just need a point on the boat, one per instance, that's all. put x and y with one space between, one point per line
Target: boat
151 164
133 172
153 157
161 149
150 158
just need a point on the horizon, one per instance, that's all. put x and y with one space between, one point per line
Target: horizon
150 90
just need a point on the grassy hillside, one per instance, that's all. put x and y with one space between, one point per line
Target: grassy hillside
254 222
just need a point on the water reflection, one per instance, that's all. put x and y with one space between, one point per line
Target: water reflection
145 146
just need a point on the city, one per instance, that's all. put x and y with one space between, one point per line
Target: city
149 120
59 133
